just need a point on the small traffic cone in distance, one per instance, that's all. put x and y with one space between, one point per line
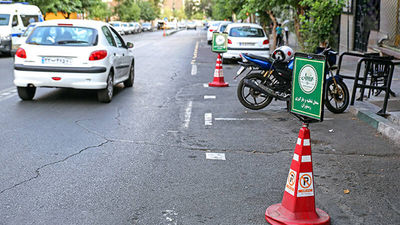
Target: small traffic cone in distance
298 203
218 75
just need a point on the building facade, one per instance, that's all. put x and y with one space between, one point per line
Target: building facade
365 22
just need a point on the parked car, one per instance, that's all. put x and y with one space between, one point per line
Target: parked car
138 27
125 27
182 25
80 54
132 27
191 25
246 38
117 25
147 27
212 27
171 25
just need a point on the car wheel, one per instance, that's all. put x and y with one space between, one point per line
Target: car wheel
105 95
26 93
131 79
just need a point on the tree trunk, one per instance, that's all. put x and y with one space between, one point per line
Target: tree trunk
273 18
300 11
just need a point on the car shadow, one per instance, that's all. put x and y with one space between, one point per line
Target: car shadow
68 95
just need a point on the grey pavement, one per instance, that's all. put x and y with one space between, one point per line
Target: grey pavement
141 160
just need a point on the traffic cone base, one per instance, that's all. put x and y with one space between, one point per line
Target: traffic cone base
278 215
218 75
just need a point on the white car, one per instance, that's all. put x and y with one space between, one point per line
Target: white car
117 25
80 54
125 27
246 38
213 27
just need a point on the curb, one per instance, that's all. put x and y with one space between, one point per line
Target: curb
172 32
366 112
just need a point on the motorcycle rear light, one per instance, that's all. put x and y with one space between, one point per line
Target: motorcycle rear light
289 53
229 41
21 53
266 42
98 55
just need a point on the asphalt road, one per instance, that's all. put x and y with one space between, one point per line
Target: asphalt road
67 159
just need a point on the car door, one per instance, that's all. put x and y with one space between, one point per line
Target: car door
114 54
123 55
16 28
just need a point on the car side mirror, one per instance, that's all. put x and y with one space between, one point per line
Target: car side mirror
129 45
14 23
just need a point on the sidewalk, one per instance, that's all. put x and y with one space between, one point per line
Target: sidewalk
366 110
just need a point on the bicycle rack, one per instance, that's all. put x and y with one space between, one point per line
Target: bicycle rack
378 69
380 72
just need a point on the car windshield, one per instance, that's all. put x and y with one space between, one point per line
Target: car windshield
146 24
4 19
115 24
63 36
27 19
28 30
215 24
246 32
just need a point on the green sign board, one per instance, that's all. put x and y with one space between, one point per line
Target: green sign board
219 42
307 98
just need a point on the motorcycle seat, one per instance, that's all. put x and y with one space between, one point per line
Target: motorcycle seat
258 57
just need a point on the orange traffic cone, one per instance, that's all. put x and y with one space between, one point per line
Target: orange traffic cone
218 75
298 203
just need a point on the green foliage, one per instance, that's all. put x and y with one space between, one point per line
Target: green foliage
94 8
147 11
317 22
128 10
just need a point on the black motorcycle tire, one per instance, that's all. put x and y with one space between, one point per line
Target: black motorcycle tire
345 97
243 99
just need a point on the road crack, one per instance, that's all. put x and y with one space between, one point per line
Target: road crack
37 171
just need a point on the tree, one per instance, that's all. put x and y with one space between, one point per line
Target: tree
317 23
98 10
128 10
147 11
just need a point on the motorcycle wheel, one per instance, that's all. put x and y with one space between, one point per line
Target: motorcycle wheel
249 97
337 96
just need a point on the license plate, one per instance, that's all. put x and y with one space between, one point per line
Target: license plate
240 71
56 60
246 44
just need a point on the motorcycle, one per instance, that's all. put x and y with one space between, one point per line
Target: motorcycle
269 79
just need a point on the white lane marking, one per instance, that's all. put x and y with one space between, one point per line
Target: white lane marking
194 69
210 97
215 156
171 217
188 114
205 85
8 93
240 119
208 119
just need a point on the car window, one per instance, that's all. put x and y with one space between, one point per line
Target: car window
109 36
4 19
63 35
222 28
15 19
28 19
246 32
115 24
28 30
120 42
